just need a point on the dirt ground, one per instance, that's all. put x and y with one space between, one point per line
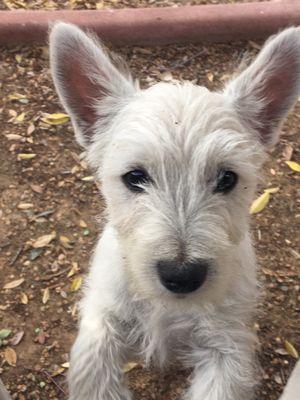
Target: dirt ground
46 188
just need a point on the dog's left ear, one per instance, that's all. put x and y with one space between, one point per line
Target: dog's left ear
266 91
90 86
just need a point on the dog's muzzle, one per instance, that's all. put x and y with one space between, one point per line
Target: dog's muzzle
182 277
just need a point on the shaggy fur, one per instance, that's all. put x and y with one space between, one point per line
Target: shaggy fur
182 135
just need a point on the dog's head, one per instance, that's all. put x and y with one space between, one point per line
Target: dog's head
178 164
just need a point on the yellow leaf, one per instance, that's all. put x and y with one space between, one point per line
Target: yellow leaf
10 356
82 224
56 119
293 165
14 284
73 270
24 298
16 96
291 349
46 295
18 58
65 241
129 366
272 190
44 240
20 118
59 371
210 76
25 206
23 156
76 284
260 203
66 365
88 178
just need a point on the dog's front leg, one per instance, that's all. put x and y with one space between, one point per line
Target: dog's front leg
96 362
223 373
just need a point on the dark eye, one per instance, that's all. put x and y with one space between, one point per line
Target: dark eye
133 180
226 181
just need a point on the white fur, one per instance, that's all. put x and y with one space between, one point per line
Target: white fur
181 135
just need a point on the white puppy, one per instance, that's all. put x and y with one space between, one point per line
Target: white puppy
174 271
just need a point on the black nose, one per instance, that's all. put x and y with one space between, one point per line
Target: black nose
182 277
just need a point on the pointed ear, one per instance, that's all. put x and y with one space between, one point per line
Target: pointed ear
267 90
90 87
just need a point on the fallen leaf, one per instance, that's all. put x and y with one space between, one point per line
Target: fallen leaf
281 351
76 284
260 203
87 178
291 349
210 76
82 224
272 190
23 156
10 356
129 366
73 270
14 284
4 333
37 188
18 58
13 136
46 295
16 96
44 240
30 129
20 118
66 365
293 165
59 371
24 298
277 379
25 206
35 253
65 242
41 337
16 339
56 119
287 152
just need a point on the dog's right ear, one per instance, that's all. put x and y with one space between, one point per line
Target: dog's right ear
90 87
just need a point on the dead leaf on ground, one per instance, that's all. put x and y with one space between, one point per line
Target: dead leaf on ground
16 339
24 156
44 240
56 119
76 284
46 295
25 206
66 365
14 284
272 190
129 366
291 349
24 298
65 241
73 270
293 165
10 356
260 203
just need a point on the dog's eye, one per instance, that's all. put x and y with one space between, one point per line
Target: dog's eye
133 180
226 181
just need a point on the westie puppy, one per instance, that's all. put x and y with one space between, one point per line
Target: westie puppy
174 273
